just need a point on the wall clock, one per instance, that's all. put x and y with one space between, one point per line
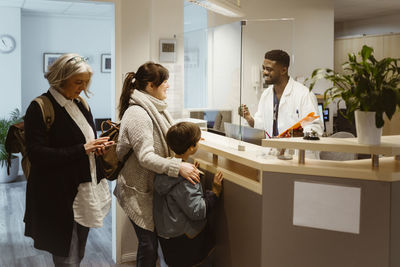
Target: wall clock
7 43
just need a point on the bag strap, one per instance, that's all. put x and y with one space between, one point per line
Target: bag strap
111 124
47 110
127 155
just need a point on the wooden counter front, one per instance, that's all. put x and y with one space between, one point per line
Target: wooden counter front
255 215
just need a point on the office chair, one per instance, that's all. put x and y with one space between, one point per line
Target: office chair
338 156
222 116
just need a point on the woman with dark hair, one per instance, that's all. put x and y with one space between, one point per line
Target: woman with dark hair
144 125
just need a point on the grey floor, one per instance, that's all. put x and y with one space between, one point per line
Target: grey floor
17 250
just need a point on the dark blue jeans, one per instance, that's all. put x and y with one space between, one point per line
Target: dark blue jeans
147 247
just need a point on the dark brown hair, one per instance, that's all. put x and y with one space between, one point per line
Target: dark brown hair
181 136
280 56
149 72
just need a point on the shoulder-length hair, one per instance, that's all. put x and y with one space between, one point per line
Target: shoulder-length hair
65 67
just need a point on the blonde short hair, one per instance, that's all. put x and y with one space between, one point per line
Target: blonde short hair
65 67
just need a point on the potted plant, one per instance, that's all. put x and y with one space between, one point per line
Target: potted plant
369 88
4 156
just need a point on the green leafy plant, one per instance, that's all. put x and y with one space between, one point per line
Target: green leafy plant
5 124
365 85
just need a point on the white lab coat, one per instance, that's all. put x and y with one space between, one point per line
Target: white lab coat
296 102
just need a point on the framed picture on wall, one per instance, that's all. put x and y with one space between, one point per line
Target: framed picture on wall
105 62
48 59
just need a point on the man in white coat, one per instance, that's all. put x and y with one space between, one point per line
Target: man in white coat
284 102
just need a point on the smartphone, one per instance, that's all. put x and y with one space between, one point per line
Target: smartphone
113 144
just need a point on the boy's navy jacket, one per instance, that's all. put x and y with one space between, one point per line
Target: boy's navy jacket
179 206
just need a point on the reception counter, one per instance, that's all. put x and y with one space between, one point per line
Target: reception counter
285 213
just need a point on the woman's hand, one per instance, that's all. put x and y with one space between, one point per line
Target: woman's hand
106 146
189 172
97 145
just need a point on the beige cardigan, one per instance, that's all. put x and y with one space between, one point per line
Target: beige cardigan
143 127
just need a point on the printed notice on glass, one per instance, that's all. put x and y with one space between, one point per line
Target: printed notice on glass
329 207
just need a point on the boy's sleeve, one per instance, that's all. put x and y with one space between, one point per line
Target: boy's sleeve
193 202
190 199
210 198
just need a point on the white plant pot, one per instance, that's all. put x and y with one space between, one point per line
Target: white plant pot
367 132
4 178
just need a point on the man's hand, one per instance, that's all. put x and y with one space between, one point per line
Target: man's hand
245 113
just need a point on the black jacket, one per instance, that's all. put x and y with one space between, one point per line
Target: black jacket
59 165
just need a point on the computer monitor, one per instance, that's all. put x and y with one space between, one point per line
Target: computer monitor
209 116
249 134
323 113
215 118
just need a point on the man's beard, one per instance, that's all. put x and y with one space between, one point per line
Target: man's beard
269 81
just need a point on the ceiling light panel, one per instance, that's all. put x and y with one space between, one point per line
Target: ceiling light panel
44 6
11 3
220 6
90 9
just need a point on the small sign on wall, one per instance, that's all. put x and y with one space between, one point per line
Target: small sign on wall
326 206
168 50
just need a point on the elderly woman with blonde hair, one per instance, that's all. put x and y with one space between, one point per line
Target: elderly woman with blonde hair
66 193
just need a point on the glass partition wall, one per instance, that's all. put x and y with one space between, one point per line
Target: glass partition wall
223 69
259 37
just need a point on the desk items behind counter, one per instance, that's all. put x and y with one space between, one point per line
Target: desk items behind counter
313 135
301 123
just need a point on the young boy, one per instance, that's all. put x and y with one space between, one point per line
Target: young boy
181 208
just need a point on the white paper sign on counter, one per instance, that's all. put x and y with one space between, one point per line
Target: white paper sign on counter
325 206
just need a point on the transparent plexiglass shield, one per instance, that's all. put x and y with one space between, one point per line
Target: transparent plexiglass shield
259 37
223 69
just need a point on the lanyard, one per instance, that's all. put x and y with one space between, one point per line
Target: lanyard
275 116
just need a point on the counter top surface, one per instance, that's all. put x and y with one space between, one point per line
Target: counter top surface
262 158
390 145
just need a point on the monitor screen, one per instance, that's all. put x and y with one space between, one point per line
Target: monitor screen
324 114
249 134
209 116
321 111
